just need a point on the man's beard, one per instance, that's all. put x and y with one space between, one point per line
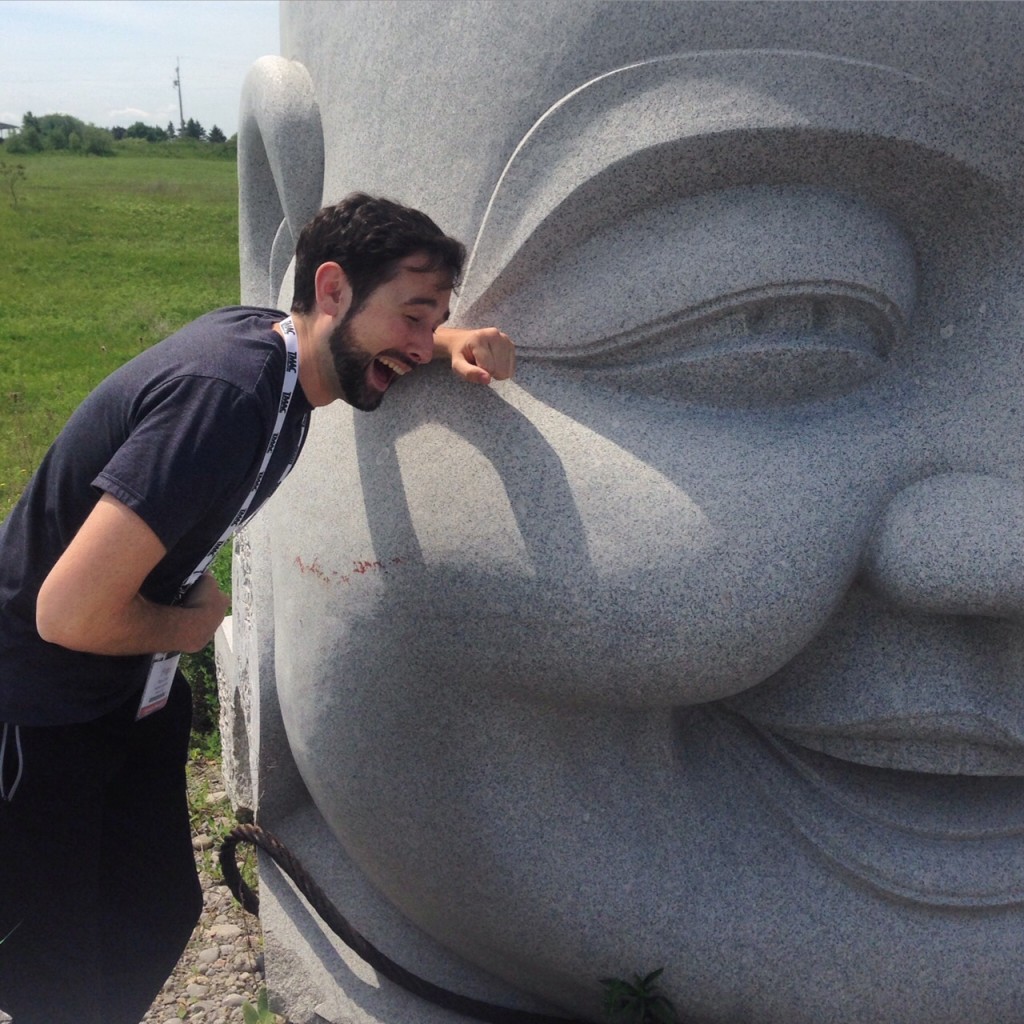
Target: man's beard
351 364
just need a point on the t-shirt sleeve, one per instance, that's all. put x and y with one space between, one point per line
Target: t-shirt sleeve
192 445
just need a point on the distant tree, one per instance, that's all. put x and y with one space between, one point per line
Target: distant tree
61 131
28 140
57 130
97 141
118 132
171 133
146 131
194 130
216 135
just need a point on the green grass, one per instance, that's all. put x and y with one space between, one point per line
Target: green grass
99 259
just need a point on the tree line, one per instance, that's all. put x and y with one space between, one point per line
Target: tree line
62 131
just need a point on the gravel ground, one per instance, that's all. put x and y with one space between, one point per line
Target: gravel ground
222 968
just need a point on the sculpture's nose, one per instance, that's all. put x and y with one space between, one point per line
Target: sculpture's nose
952 544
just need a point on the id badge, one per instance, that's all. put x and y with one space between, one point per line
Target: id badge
158 684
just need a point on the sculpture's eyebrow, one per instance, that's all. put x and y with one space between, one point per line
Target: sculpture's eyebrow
651 132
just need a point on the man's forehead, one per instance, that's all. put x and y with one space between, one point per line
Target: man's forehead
421 283
420 265
416 285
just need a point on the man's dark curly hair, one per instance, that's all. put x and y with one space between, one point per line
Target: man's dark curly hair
368 237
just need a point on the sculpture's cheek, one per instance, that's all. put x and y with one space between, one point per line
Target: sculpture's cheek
661 560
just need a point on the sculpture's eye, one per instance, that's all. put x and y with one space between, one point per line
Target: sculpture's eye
747 297
757 353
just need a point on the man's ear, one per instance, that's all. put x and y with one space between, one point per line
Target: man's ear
333 292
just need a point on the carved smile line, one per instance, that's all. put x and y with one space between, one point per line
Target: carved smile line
942 840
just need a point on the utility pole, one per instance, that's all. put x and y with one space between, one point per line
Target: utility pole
177 85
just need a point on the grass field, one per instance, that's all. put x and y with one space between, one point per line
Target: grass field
100 258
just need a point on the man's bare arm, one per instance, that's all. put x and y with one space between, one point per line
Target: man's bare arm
90 600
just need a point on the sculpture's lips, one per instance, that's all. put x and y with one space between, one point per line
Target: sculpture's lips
888 688
943 839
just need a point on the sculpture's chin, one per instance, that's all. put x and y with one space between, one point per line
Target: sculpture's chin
940 838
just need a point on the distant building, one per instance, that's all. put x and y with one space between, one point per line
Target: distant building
6 128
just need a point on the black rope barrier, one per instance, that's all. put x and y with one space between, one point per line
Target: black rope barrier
332 917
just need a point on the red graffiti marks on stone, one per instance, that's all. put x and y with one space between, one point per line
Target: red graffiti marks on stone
360 567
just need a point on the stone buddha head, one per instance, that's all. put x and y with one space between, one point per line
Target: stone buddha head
698 645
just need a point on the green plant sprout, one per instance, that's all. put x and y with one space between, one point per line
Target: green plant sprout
261 1012
639 1001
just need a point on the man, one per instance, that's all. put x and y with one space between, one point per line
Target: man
102 579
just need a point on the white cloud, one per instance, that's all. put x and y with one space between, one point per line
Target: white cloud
126 116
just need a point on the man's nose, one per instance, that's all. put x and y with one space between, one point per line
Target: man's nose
952 544
421 346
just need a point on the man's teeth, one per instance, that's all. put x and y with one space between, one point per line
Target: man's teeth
393 364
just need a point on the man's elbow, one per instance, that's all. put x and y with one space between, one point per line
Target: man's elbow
49 626
56 623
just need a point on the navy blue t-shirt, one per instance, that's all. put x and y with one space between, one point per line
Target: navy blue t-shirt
177 435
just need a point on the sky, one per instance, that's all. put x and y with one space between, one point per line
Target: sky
112 62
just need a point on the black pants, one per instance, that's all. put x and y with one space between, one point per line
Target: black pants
98 887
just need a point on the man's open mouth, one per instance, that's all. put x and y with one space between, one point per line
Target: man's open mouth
384 369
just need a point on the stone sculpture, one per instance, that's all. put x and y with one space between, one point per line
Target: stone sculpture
698 645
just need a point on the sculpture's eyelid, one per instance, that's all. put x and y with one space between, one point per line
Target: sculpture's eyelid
786 313
756 351
701 258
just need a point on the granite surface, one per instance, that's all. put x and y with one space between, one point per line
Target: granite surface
699 644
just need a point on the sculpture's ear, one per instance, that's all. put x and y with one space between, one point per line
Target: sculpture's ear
280 172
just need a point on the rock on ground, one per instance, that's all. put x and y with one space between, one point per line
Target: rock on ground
222 968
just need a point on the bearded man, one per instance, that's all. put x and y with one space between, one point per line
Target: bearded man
103 578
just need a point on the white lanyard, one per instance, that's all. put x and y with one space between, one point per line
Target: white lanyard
164 665
291 377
